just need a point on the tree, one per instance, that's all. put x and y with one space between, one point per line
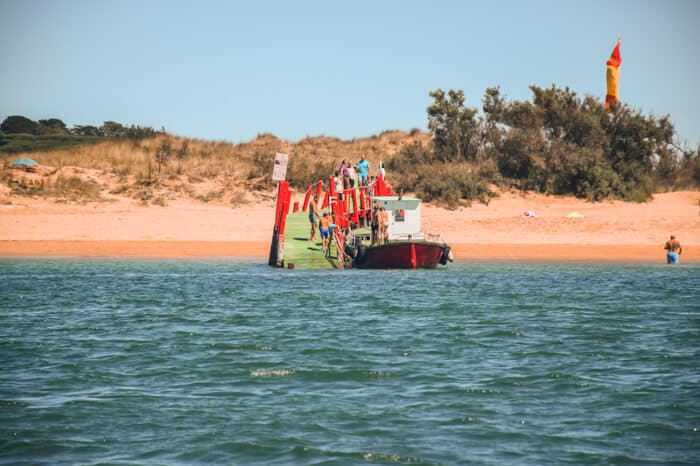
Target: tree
690 165
139 132
492 129
454 126
86 130
522 156
54 125
494 105
523 115
17 124
112 129
635 142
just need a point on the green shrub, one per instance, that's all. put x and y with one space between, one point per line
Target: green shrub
27 143
452 185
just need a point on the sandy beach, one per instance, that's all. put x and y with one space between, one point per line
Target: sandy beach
607 231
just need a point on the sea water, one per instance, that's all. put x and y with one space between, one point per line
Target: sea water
150 362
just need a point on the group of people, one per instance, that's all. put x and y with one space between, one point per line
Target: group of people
353 176
346 177
379 224
380 221
322 222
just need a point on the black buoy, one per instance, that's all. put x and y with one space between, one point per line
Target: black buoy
445 255
351 251
361 252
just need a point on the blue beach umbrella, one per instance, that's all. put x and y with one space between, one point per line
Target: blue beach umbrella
24 162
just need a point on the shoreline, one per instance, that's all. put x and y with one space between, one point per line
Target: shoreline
615 231
259 250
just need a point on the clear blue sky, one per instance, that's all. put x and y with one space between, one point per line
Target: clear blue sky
228 70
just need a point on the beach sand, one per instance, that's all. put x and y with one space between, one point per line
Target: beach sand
608 231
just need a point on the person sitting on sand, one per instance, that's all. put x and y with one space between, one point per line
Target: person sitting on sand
313 217
325 230
674 249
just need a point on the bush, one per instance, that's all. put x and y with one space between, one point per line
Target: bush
488 172
410 156
452 185
431 187
54 125
26 143
67 188
301 173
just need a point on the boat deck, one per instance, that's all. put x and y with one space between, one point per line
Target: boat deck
301 252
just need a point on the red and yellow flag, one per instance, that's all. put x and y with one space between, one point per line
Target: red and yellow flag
613 77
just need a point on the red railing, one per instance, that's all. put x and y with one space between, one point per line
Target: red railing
350 206
284 196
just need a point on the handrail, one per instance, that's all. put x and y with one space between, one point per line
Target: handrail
307 196
356 203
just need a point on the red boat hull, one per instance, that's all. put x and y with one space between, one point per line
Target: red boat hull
403 255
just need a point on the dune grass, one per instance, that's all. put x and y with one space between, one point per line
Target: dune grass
146 167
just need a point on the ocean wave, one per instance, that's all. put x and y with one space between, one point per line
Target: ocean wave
272 372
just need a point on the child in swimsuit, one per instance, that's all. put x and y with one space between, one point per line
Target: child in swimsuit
325 225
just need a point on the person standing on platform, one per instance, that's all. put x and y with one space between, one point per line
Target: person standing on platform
345 172
353 177
338 185
383 225
375 224
325 228
363 171
313 217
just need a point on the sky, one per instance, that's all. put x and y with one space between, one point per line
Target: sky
230 70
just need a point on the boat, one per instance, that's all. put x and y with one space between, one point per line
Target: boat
405 255
411 254
406 246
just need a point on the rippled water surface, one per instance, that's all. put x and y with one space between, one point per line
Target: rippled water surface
143 362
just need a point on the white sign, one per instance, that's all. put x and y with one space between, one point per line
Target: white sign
279 172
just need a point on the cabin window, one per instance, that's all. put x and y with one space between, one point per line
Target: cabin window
399 215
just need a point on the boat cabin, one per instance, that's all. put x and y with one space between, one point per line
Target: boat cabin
404 216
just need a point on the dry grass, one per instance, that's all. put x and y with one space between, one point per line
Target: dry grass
62 188
240 198
174 165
